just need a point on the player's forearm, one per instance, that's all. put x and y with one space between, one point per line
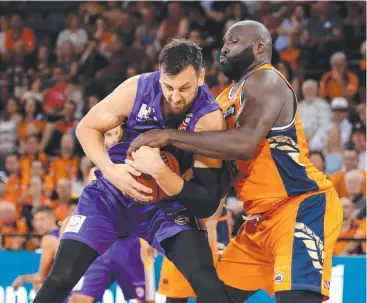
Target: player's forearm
31 278
224 145
92 142
170 182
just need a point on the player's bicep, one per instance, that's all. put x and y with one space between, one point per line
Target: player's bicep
48 247
213 121
263 100
113 109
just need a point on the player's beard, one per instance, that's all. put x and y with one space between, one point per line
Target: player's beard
174 120
235 67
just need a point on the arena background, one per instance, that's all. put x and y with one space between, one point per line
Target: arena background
58 59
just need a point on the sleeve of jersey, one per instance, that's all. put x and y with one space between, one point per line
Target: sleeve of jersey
201 195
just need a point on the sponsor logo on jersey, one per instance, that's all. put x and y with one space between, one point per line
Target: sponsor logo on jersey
146 113
231 111
182 220
185 122
279 277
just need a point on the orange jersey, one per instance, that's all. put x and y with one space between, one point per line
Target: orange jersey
23 127
19 227
64 168
26 164
281 168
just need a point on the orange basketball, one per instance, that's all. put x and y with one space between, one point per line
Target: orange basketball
149 181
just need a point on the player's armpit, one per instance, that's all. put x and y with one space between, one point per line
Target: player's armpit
49 246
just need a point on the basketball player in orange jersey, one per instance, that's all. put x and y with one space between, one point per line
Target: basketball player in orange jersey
294 215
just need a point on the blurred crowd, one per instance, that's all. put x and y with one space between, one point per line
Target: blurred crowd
59 59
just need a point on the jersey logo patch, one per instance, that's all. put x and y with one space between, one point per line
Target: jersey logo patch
75 224
185 122
231 111
146 113
287 145
313 244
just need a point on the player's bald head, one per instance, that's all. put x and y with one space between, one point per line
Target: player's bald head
246 44
253 31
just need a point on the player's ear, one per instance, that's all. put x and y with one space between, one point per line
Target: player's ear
201 77
260 46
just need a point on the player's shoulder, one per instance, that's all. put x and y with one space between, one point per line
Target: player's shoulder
264 80
212 121
49 241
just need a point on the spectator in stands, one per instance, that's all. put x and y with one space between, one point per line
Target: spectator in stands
3 30
339 116
222 83
351 228
83 177
57 126
103 36
18 32
32 152
145 34
361 109
38 169
339 81
236 12
66 59
35 199
13 107
350 162
5 194
324 27
67 164
354 184
14 180
293 52
334 150
90 11
91 60
108 78
8 128
291 77
359 142
315 114
317 158
43 62
295 23
73 34
32 122
9 225
362 73
64 196
175 25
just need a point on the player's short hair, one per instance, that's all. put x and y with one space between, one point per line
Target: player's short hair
43 209
178 55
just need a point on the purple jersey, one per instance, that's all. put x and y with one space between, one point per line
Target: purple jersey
55 232
121 262
104 214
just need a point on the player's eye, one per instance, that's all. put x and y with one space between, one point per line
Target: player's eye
169 87
184 88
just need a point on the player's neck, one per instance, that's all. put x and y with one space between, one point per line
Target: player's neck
248 70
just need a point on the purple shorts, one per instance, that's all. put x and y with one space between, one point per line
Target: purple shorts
121 262
103 215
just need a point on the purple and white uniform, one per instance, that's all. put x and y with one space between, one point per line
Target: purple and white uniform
121 262
104 214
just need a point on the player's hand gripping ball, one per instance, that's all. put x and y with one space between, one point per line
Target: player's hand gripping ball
147 180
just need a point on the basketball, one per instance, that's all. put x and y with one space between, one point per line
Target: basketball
147 180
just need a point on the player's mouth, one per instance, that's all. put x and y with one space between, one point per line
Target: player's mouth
223 59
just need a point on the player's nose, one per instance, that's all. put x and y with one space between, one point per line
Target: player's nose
176 97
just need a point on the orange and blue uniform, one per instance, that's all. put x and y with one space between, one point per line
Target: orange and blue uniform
294 215
172 283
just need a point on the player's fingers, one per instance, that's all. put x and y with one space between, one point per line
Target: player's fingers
131 168
142 188
136 195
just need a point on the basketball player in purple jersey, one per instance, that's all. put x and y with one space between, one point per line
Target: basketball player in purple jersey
44 222
121 262
110 207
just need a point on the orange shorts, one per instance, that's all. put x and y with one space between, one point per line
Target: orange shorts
172 283
291 250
